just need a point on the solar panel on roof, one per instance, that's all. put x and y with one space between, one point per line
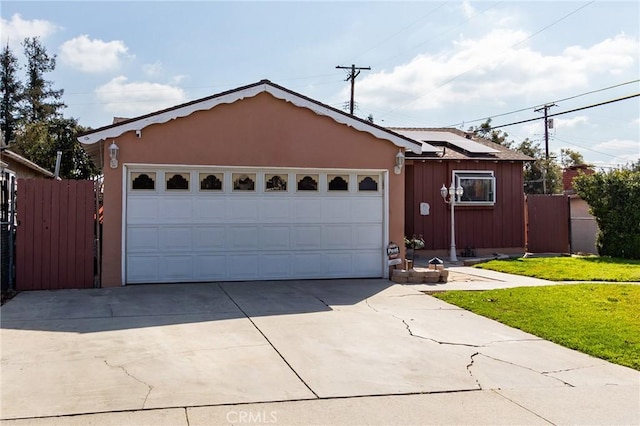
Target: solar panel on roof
451 138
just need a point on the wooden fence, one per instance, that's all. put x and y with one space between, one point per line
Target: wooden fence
547 224
55 234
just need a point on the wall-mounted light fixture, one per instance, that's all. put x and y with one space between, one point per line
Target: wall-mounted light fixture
113 155
399 163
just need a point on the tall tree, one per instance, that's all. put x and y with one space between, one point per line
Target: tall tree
11 88
485 131
41 141
569 157
541 175
41 102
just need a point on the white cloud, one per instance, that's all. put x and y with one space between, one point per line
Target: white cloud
493 68
467 10
152 70
123 98
93 55
569 123
15 30
619 145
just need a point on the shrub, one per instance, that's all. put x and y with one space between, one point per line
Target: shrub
614 200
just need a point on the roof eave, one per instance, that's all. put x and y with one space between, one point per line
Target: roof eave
28 163
137 124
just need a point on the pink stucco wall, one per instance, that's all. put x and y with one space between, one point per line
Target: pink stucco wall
258 131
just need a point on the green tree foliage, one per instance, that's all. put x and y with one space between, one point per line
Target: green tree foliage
569 157
541 176
31 114
485 131
613 198
11 93
41 102
41 141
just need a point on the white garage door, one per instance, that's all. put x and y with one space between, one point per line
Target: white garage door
234 225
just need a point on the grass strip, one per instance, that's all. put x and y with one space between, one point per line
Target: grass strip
602 320
591 268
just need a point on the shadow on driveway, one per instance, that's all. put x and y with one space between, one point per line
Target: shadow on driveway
139 306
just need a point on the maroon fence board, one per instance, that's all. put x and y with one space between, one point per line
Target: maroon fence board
55 234
547 224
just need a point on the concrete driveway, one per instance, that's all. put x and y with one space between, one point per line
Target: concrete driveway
340 351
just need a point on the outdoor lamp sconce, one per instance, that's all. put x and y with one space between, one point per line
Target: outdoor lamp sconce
452 192
399 163
113 155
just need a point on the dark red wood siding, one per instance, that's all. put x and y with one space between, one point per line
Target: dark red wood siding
548 221
479 227
55 234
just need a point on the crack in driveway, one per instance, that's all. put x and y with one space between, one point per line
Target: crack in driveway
269 341
121 367
472 360
412 334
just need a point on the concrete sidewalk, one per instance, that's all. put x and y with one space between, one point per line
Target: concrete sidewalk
469 278
296 352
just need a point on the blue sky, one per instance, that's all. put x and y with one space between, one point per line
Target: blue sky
434 64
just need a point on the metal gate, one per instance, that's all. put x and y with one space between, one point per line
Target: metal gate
547 224
55 234
7 228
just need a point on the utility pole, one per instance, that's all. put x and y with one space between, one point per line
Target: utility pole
546 143
546 127
352 76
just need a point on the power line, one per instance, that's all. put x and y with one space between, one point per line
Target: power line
513 45
570 111
403 29
537 106
586 147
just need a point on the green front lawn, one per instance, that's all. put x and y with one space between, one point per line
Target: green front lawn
602 320
591 268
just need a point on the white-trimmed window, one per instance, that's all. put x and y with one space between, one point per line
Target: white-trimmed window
338 182
479 187
143 181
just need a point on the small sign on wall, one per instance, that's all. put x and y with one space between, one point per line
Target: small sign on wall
424 209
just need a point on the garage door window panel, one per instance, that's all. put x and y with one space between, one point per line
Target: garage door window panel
244 182
307 182
368 183
177 181
275 183
211 181
143 181
338 183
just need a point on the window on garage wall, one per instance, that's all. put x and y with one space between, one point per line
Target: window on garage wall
143 181
338 182
368 182
479 187
177 181
275 182
244 181
211 181
307 182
